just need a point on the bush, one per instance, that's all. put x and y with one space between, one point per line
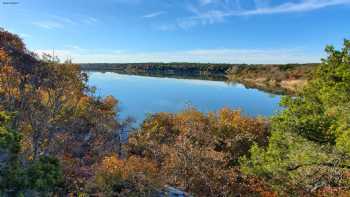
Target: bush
308 152
133 176
199 153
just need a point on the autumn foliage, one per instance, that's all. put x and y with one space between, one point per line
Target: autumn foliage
55 114
199 153
58 139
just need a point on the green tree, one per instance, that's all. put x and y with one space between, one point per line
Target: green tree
309 148
11 174
18 176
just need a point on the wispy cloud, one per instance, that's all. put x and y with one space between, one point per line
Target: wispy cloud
90 20
60 22
205 2
49 24
63 19
249 56
303 6
213 11
154 14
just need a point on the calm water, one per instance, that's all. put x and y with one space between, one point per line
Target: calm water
139 95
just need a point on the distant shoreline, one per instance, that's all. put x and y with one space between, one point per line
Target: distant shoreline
273 78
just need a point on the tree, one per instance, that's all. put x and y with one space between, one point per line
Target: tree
55 113
199 152
309 147
11 174
19 177
133 176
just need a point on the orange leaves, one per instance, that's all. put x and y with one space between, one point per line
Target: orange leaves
112 164
8 72
3 56
200 152
128 167
110 101
56 112
116 177
9 82
236 123
333 191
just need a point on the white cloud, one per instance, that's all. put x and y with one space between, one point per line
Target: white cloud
213 11
49 24
305 5
59 22
250 56
63 19
90 20
154 14
205 2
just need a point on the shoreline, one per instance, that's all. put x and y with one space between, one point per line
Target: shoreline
281 79
283 87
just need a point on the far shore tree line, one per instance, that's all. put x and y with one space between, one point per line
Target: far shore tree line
275 78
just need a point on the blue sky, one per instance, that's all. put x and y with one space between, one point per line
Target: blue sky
224 31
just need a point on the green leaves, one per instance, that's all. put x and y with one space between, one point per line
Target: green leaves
15 176
310 144
44 174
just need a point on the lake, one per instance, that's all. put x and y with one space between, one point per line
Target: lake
140 95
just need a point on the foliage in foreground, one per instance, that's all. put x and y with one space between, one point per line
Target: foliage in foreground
54 117
309 150
42 175
307 153
199 153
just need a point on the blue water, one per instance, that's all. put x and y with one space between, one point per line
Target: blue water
140 95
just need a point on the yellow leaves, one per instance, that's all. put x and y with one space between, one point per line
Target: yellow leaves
138 174
191 115
128 167
112 164
141 165
228 116
44 96
83 102
234 122
57 114
9 81
197 151
110 101
3 56
8 71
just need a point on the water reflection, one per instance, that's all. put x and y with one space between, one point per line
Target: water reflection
139 95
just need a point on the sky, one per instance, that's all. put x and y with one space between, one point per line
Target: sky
213 31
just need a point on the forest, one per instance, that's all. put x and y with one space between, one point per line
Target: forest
58 139
276 78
